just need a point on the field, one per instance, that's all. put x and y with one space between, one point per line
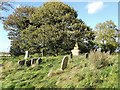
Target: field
81 72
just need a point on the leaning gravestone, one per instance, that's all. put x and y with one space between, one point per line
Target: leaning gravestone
26 55
64 62
21 62
28 63
39 60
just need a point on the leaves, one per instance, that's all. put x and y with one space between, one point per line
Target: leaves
106 35
53 27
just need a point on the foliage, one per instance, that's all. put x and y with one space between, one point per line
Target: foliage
106 36
57 25
78 74
51 29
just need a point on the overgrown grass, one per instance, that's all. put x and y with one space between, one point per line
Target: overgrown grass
80 72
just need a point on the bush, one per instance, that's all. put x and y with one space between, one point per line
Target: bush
98 59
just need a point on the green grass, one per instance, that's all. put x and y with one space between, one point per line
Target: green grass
78 74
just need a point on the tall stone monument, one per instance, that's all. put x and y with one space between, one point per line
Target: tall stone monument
75 51
26 55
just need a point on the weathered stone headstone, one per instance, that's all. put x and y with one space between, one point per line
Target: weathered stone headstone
21 62
39 60
71 55
86 55
28 63
26 55
64 62
75 51
33 60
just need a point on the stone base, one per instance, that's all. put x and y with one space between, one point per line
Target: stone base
75 52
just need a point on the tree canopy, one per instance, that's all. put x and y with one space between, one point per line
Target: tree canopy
52 28
106 35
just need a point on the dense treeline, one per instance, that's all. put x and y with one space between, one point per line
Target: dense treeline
53 29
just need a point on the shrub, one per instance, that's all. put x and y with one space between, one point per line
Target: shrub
98 59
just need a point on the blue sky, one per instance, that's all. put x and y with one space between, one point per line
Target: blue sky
91 13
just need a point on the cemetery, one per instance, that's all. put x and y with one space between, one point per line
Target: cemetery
52 48
60 71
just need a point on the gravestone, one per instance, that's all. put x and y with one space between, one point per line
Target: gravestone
71 55
64 62
39 60
33 60
21 62
86 55
28 63
75 51
26 55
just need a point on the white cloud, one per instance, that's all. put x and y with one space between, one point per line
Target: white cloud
95 6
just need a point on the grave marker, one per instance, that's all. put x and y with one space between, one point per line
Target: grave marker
39 60
28 63
21 62
26 55
64 62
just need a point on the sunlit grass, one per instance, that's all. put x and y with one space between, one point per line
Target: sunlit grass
78 74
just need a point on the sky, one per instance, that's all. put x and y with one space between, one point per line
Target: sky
91 12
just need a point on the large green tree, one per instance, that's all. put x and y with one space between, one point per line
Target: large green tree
59 26
52 27
106 35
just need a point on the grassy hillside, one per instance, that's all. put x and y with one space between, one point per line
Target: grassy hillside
80 73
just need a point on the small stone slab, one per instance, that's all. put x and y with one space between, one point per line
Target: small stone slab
33 61
39 60
21 62
71 55
28 63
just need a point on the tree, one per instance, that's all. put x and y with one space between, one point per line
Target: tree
58 24
51 28
15 23
106 35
